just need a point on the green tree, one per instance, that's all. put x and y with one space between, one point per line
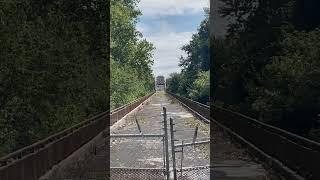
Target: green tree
291 82
193 81
173 83
131 55
262 67
197 50
200 90
126 85
53 67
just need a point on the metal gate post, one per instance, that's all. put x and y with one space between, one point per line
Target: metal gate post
181 159
173 150
165 128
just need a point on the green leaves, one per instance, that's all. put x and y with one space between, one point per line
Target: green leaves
53 67
193 82
200 89
296 71
131 73
126 85
197 50
267 66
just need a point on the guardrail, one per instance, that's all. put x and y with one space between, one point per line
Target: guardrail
120 112
201 110
31 162
293 156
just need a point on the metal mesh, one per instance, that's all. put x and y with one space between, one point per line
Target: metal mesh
194 173
136 153
134 174
195 164
137 158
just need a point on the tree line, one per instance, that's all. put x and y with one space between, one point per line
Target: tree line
55 68
131 55
266 66
194 80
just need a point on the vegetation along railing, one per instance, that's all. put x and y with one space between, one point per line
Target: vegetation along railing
31 162
293 156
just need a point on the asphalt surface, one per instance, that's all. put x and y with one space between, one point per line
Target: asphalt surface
148 152
143 158
230 161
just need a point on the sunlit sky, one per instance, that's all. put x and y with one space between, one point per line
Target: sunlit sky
169 24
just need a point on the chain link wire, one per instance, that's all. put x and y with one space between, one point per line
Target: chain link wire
138 158
134 174
147 164
194 173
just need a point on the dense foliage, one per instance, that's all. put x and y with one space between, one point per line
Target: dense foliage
131 55
53 70
268 64
194 80
54 65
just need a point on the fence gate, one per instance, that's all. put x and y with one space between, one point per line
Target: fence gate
195 170
132 171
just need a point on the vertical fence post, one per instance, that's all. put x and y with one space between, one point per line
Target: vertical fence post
195 134
173 150
165 128
164 152
181 159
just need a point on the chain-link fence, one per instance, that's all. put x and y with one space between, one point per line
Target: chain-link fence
146 155
136 153
137 158
194 173
143 155
137 173
193 153
192 162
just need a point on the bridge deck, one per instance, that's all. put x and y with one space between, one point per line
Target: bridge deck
230 162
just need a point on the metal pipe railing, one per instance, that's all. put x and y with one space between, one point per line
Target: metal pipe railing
294 155
31 162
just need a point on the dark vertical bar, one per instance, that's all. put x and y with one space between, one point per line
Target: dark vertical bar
166 141
173 150
135 116
213 80
182 158
195 134
164 152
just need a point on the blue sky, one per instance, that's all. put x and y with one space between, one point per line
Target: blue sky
169 24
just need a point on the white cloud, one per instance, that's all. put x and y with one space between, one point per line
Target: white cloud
168 50
166 39
171 7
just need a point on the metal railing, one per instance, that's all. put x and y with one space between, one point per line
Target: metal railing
120 112
31 162
200 110
293 156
